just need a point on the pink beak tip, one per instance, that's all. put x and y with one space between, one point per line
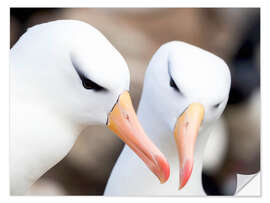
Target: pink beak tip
164 170
185 173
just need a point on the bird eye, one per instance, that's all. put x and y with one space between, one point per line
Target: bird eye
88 84
173 85
217 105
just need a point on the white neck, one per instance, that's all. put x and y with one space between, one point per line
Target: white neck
39 139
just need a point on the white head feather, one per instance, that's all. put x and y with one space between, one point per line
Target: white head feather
199 75
49 56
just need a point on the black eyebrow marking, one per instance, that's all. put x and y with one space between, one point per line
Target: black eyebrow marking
89 84
86 82
172 83
217 105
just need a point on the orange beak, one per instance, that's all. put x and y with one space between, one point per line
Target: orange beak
185 134
123 122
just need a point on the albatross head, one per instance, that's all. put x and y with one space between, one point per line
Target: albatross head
190 87
75 72
103 81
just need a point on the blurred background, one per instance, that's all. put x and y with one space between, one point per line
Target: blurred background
231 33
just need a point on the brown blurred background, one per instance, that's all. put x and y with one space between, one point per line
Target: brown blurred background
231 33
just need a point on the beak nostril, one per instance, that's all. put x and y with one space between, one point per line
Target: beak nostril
126 116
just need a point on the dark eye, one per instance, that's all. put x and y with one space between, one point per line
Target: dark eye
173 85
217 105
88 84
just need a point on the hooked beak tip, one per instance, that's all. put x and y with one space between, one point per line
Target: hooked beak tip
185 173
165 168
161 169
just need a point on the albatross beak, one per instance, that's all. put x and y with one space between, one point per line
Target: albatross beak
123 122
185 134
